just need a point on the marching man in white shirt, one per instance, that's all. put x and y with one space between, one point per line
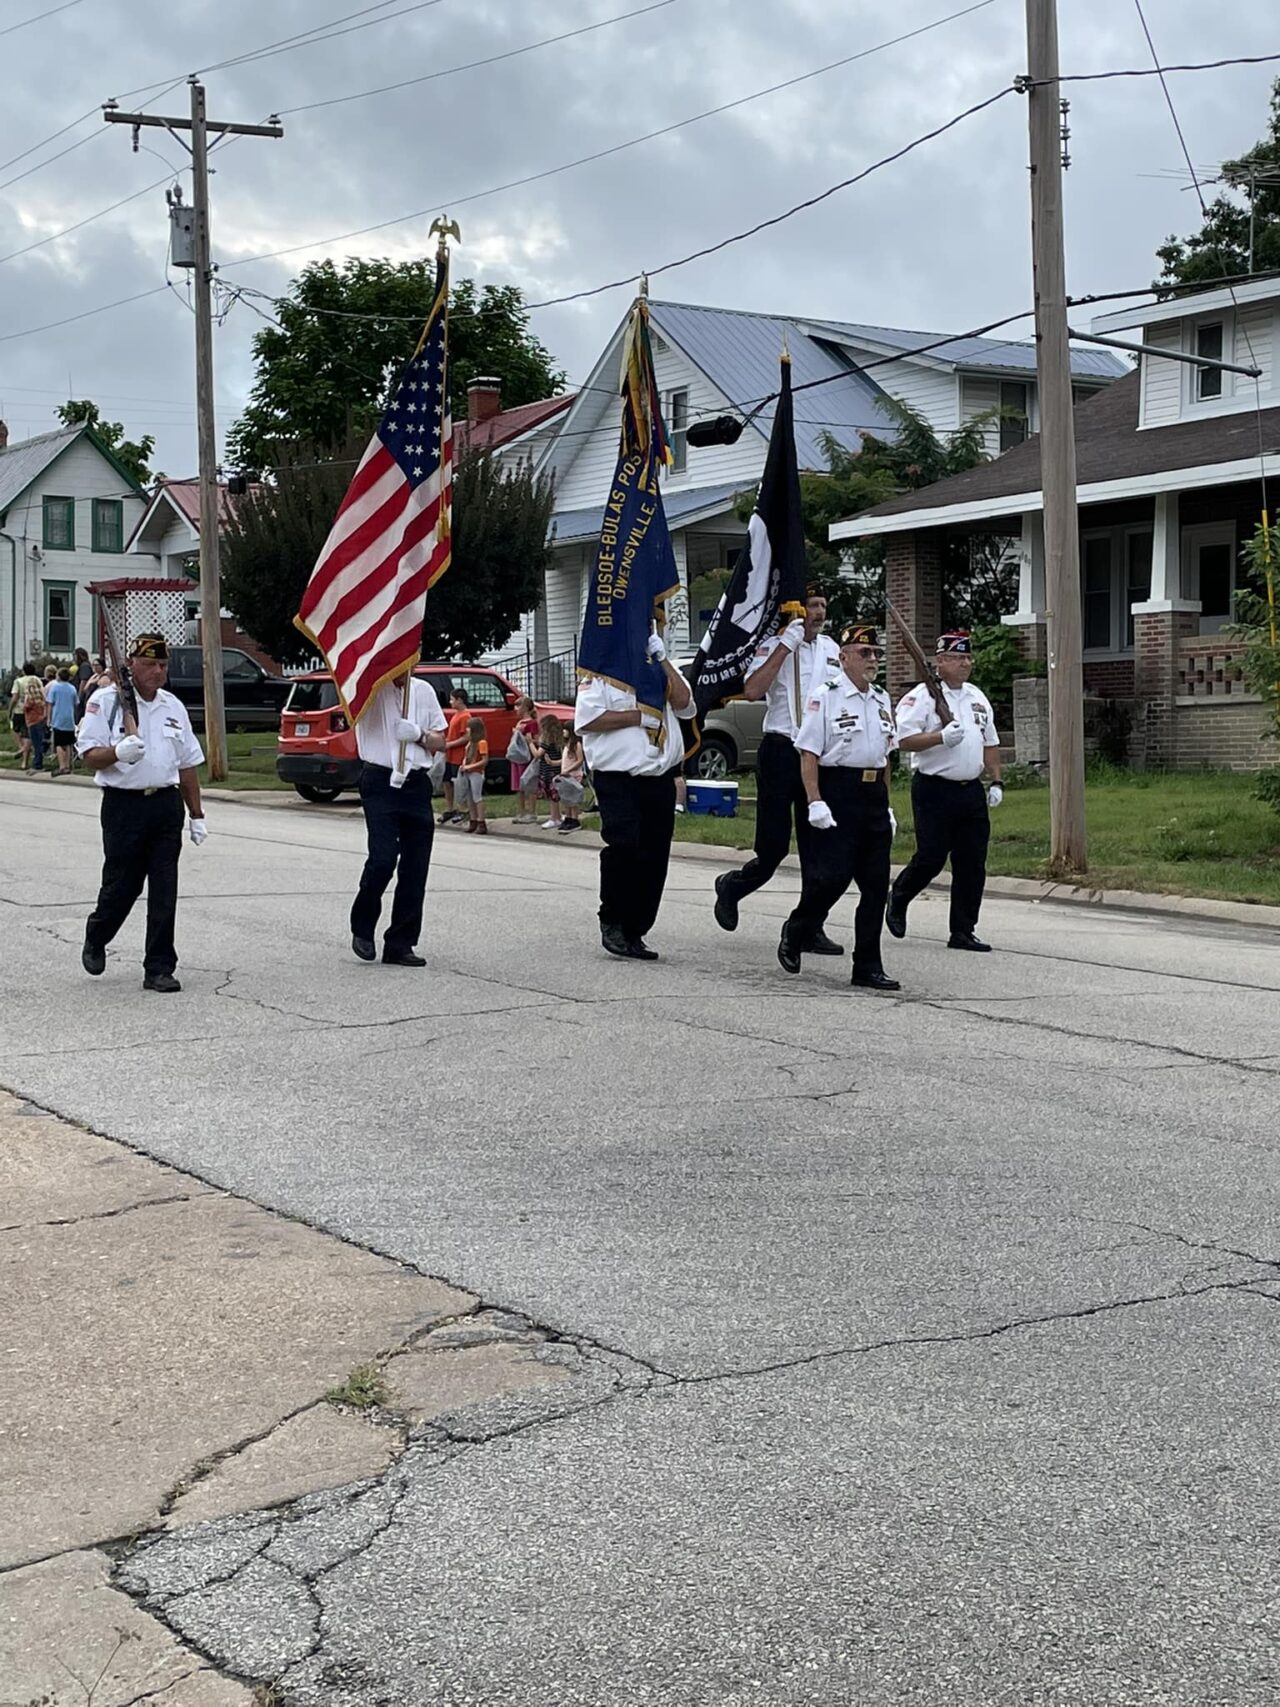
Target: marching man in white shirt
948 800
147 773
635 758
844 744
802 657
398 817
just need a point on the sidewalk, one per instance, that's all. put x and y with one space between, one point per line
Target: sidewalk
172 1356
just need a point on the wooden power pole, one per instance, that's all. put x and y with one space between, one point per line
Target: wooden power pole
215 720
1068 844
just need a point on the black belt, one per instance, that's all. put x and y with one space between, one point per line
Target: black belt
855 774
951 781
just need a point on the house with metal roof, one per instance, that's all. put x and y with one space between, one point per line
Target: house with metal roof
1171 469
715 361
67 509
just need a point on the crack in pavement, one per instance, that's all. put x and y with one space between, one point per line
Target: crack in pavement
110 1214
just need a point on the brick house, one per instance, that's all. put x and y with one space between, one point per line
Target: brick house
1170 468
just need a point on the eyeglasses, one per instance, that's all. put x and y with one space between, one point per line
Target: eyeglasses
868 652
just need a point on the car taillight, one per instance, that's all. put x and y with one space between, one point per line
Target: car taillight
338 723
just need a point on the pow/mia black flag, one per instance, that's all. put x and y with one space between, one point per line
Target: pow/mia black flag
768 579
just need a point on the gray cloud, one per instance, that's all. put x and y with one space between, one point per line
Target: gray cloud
939 240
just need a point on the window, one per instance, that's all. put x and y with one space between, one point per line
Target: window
59 524
1137 576
108 524
1209 343
239 667
678 427
1208 572
486 693
59 616
312 696
1096 592
1013 427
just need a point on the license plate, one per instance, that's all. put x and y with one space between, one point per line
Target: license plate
302 728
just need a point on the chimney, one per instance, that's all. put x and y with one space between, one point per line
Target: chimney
484 400
4 436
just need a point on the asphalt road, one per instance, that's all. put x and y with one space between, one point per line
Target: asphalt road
946 1323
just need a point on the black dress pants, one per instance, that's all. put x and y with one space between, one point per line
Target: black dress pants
637 822
952 822
780 801
856 851
141 842
400 827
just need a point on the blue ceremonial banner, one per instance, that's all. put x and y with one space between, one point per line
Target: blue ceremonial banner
635 567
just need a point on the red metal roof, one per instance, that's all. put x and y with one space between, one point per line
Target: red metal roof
508 424
142 584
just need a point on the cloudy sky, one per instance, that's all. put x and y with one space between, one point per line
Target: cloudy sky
937 241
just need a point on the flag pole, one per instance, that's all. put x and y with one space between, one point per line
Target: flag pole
444 229
788 610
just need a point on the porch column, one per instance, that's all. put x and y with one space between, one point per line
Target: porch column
677 635
1028 620
1159 624
913 582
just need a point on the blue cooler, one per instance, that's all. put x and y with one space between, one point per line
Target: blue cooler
713 799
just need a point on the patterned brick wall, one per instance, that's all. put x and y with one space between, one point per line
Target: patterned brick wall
1110 679
913 581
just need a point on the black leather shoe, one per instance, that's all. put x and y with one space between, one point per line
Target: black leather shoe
405 958
163 983
614 942
788 954
967 940
362 946
821 943
726 908
895 918
638 949
94 960
874 980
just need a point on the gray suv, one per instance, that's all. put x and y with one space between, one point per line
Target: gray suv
730 736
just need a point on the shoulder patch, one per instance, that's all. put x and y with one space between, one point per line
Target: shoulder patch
814 705
908 699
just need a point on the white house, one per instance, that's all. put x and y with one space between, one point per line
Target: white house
712 361
1171 467
67 511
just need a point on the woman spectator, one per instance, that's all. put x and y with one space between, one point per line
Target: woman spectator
524 773
468 785
571 784
549 749
18 713
81 674
36 713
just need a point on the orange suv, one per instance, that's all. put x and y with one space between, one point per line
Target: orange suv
316 750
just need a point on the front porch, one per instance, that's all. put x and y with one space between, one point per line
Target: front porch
1158 577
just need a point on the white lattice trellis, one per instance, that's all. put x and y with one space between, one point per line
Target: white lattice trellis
157 609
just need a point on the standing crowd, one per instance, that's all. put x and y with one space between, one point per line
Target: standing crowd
45 710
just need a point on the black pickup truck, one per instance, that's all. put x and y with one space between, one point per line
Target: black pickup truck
253 697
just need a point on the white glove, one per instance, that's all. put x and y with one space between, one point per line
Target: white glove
648 720
198 830
130 750
995 794
952 735
792 635
821 816
893 824
656 650
407 730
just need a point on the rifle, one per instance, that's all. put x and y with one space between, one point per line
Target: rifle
124 682
932 680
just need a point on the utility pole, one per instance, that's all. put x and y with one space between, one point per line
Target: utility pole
1068 851
215 721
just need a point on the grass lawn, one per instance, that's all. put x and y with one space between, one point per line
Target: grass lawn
1185 833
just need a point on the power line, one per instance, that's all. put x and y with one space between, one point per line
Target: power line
39 17
89 218
1161 71
321 32
88 136
454 201
102 308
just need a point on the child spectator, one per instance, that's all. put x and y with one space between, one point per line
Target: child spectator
60 697
468 785
549 749
455 741
571 784
524 776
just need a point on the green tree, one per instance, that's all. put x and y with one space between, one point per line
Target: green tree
323 375
500 526
1249 206
135 454
1257 612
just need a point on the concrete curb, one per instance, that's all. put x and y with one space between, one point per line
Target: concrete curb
1257 914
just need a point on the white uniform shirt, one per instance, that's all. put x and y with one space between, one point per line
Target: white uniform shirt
971 709
166 732
631 750
819 659
376 731
847 727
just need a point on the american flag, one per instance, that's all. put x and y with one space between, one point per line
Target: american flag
389 542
